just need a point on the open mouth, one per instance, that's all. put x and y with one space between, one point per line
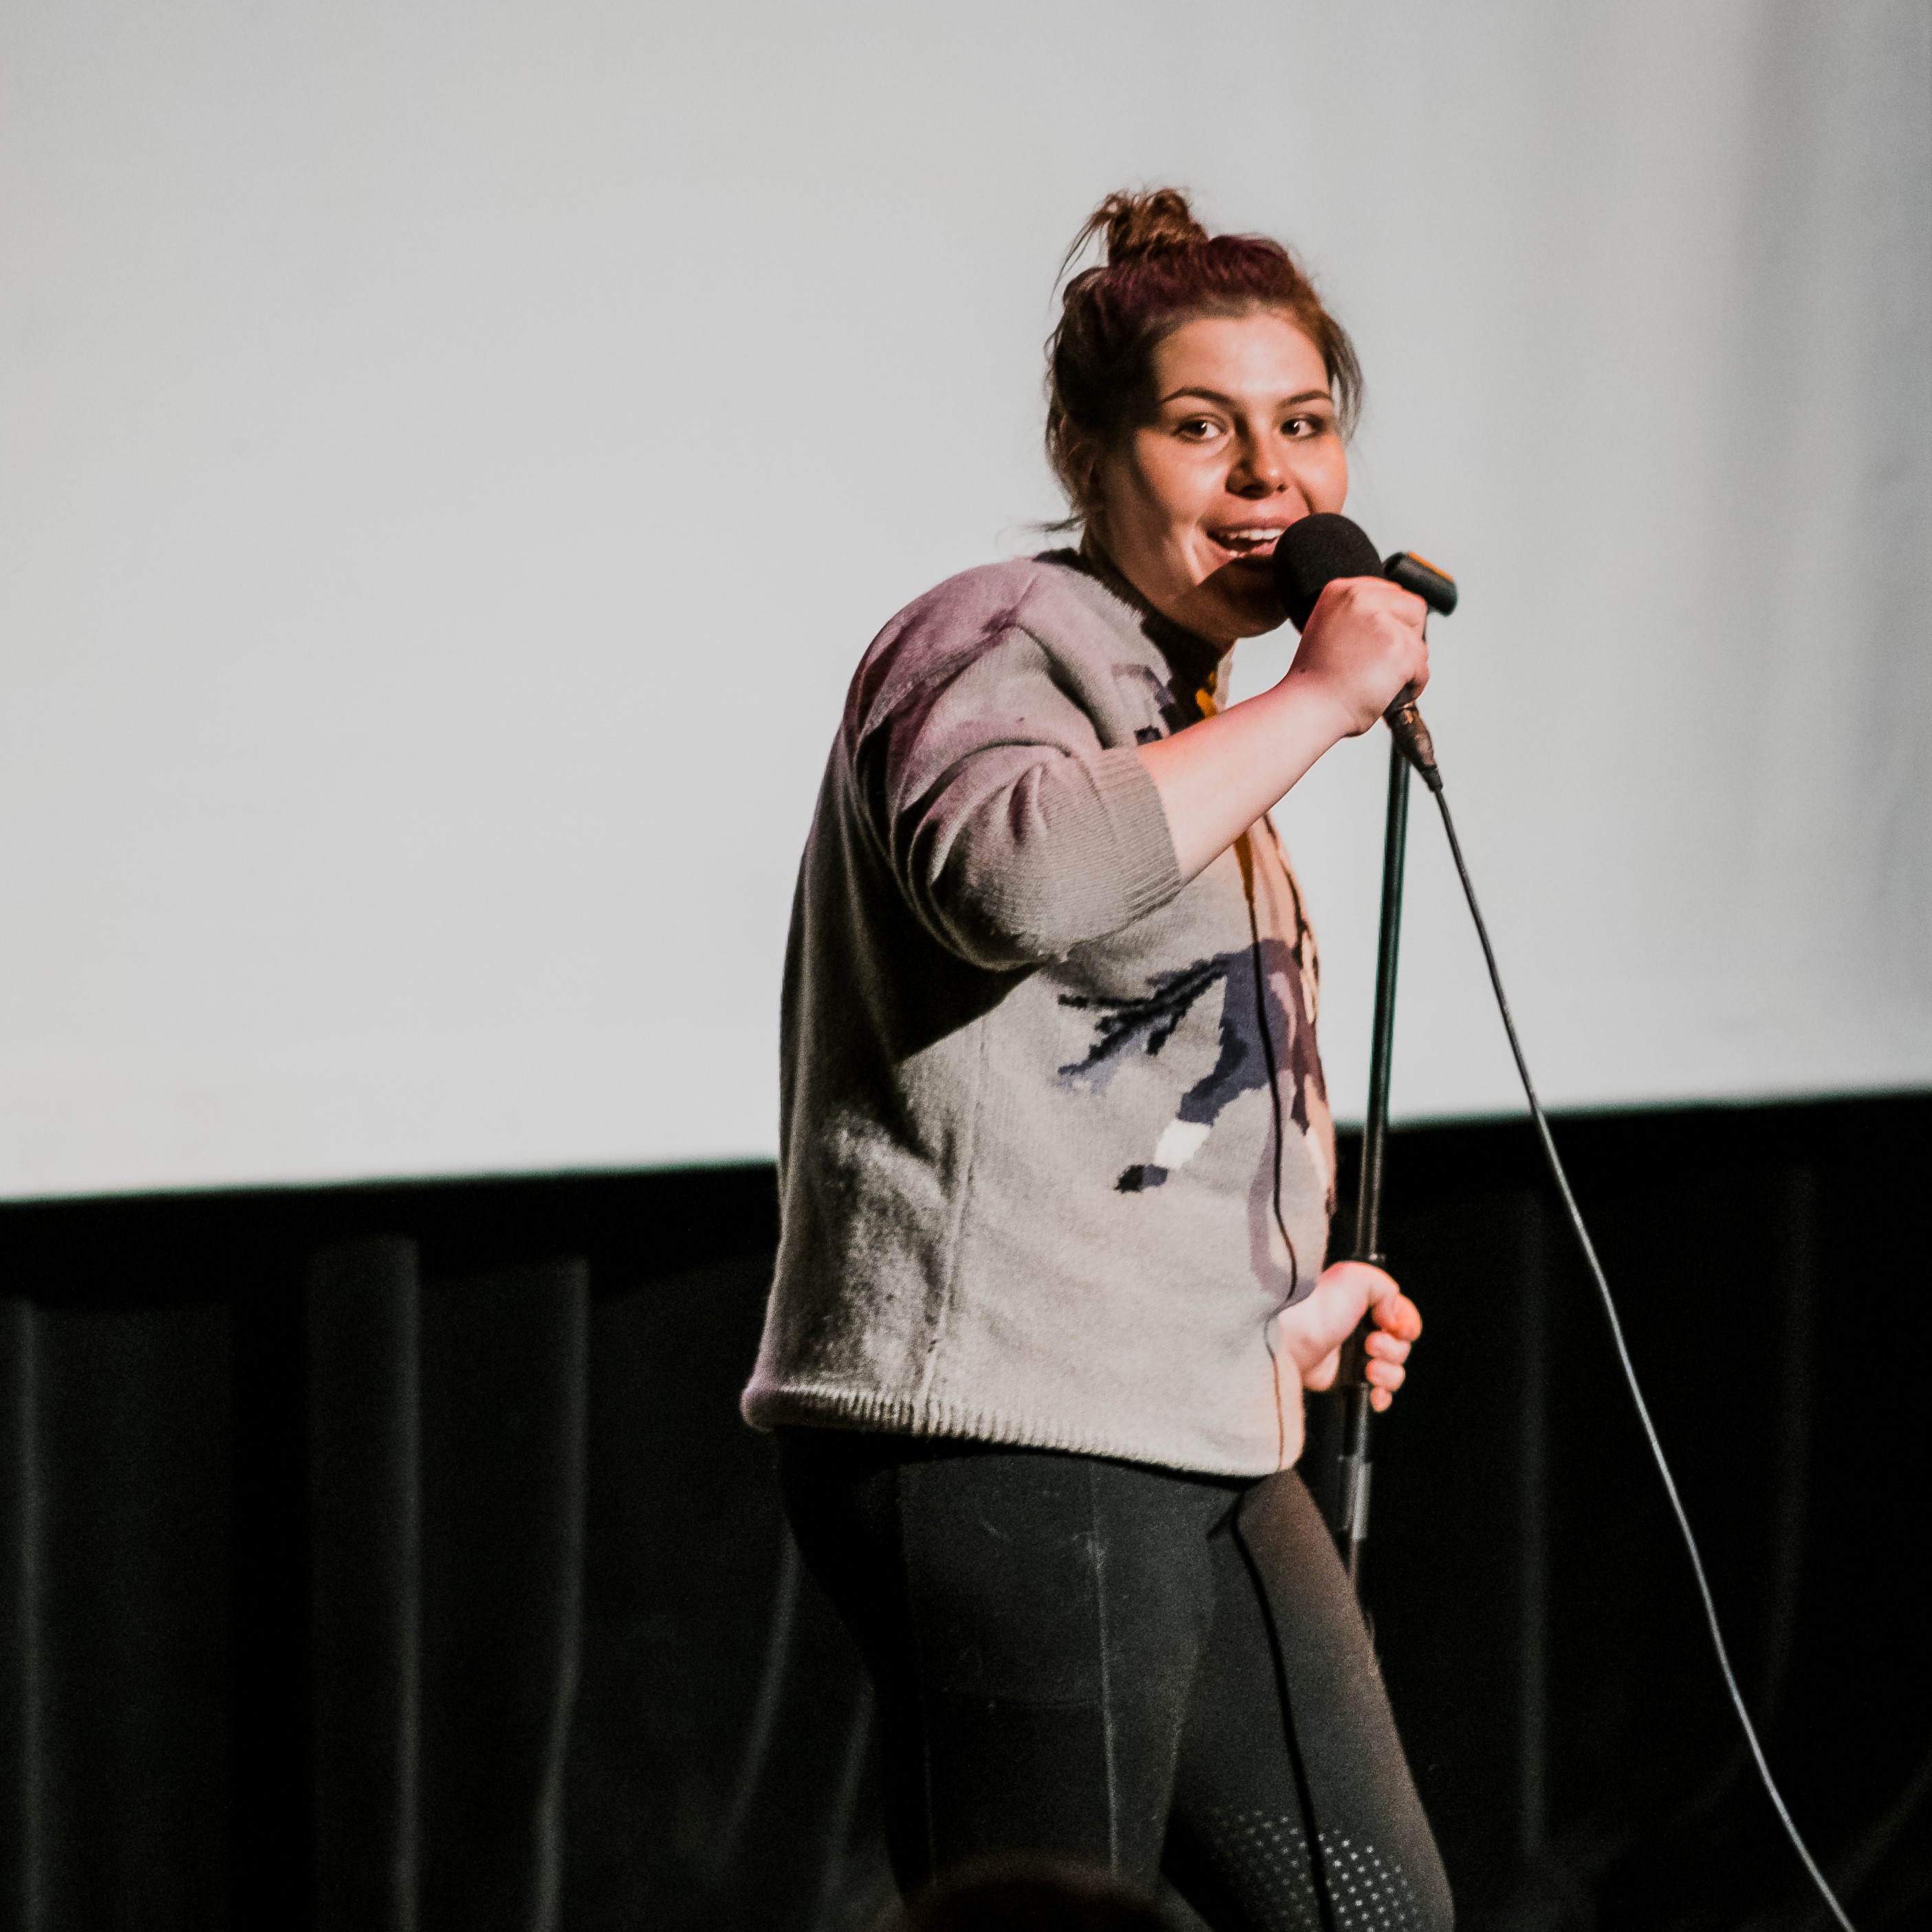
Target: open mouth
1249 540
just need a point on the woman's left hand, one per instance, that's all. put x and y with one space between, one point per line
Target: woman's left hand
1311 1333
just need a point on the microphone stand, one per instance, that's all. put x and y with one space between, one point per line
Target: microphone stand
1408 742
1310 555
1350 1521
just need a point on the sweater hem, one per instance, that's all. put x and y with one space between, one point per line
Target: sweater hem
869 1411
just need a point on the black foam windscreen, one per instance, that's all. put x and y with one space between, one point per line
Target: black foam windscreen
1309 555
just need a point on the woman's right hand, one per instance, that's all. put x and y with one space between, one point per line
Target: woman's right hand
1363 646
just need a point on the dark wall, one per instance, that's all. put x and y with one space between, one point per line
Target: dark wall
394 1555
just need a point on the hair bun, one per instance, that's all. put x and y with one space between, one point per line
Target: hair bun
1145 224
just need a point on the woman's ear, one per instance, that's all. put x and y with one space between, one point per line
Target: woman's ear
1083 465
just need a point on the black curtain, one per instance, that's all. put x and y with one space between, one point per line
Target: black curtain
394 1557
446 1440
118 1558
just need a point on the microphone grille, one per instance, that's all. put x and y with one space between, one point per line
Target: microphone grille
1309 555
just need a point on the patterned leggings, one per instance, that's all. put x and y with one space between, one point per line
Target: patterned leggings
1151 1671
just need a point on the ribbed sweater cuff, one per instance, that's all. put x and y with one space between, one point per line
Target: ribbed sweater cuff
1149 872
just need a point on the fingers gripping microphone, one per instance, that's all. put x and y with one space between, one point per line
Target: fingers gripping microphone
1311 554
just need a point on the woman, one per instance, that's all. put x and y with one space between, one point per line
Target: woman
1057 1162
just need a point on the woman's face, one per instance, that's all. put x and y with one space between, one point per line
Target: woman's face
1242 442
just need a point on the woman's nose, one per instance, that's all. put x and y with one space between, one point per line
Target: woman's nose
1259 470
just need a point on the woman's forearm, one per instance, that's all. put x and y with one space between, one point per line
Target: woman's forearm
1216 777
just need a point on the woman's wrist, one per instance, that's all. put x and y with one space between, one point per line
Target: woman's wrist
1318 707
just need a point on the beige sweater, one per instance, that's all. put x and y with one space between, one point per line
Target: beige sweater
1055 1145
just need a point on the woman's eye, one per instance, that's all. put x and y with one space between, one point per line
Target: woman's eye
1198 429
1304 426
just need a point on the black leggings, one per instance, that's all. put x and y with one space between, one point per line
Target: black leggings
1152 1671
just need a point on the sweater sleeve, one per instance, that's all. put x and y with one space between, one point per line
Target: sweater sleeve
1014 832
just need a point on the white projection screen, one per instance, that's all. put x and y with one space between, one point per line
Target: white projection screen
455 455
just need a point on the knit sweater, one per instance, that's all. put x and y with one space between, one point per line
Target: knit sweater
1054 1144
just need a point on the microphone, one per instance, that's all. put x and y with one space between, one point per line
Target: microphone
1311 554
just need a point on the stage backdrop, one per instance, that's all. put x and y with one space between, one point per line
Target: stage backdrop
454 456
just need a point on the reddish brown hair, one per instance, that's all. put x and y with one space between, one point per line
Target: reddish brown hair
1163 269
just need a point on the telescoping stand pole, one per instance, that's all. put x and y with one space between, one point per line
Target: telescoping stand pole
1309 556
1408 745
1351 1518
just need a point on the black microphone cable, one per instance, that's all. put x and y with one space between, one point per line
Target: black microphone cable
1433 779
1310 554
